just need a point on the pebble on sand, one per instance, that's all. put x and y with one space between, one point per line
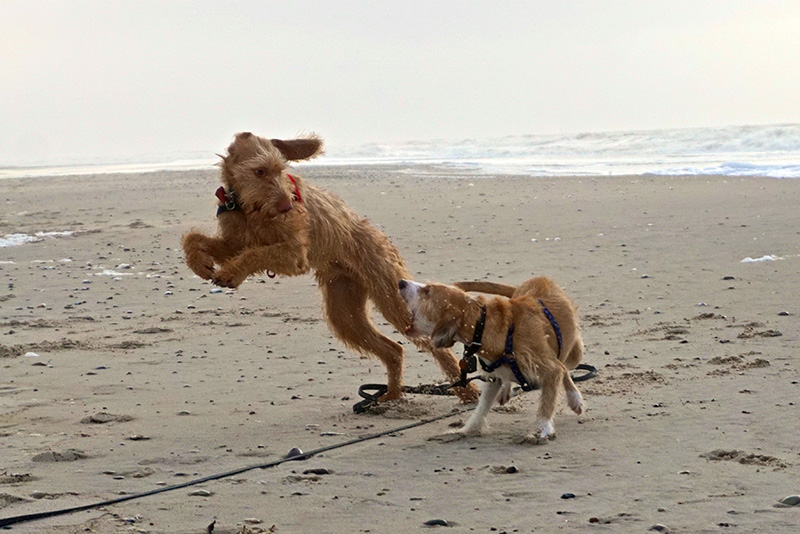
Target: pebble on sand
294 452
317 471
791 500
201 493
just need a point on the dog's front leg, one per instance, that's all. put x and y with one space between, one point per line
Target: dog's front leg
203 252
287 259
476 424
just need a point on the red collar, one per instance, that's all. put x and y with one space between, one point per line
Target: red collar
296 189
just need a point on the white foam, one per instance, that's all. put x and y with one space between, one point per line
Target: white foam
764 150
168 164
769 257
13 240
769 151
112 272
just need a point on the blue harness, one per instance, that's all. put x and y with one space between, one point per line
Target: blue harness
508 353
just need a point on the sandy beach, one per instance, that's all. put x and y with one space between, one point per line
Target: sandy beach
121 372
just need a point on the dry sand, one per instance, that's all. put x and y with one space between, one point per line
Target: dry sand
144 376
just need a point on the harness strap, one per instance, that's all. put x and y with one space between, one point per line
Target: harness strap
475 345
553 322
469 362
510 340
508 359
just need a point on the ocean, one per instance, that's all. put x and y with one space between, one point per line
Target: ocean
769 151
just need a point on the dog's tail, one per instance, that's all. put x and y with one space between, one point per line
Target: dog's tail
493 288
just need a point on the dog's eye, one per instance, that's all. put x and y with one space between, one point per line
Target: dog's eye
260 173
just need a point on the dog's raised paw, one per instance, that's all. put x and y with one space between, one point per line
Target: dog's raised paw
224 278
575 402
202 266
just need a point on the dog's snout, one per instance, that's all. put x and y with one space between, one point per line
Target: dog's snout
402 285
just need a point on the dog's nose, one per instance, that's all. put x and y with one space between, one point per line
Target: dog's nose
285 207
402 284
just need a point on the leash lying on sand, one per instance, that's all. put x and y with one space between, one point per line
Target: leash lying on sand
372 392
293 456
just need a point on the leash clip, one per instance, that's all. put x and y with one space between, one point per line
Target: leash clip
230 203
469 362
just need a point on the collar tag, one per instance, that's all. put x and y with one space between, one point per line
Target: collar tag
220 194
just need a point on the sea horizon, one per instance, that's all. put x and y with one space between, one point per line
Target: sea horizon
744 150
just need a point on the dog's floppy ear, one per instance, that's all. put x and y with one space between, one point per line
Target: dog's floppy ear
444 333
299 149
240 148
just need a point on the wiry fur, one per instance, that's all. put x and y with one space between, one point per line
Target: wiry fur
448 314
277 232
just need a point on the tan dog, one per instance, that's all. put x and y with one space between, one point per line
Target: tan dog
274 222
447 314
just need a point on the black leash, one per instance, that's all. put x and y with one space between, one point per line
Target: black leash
372 392
468 364
6 522
591 372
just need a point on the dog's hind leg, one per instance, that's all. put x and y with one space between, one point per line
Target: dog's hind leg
574 398
575 355
345 301
551 375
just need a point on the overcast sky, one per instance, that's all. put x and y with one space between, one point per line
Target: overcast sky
100 80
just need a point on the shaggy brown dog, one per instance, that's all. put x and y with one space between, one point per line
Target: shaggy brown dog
447 314
274 222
